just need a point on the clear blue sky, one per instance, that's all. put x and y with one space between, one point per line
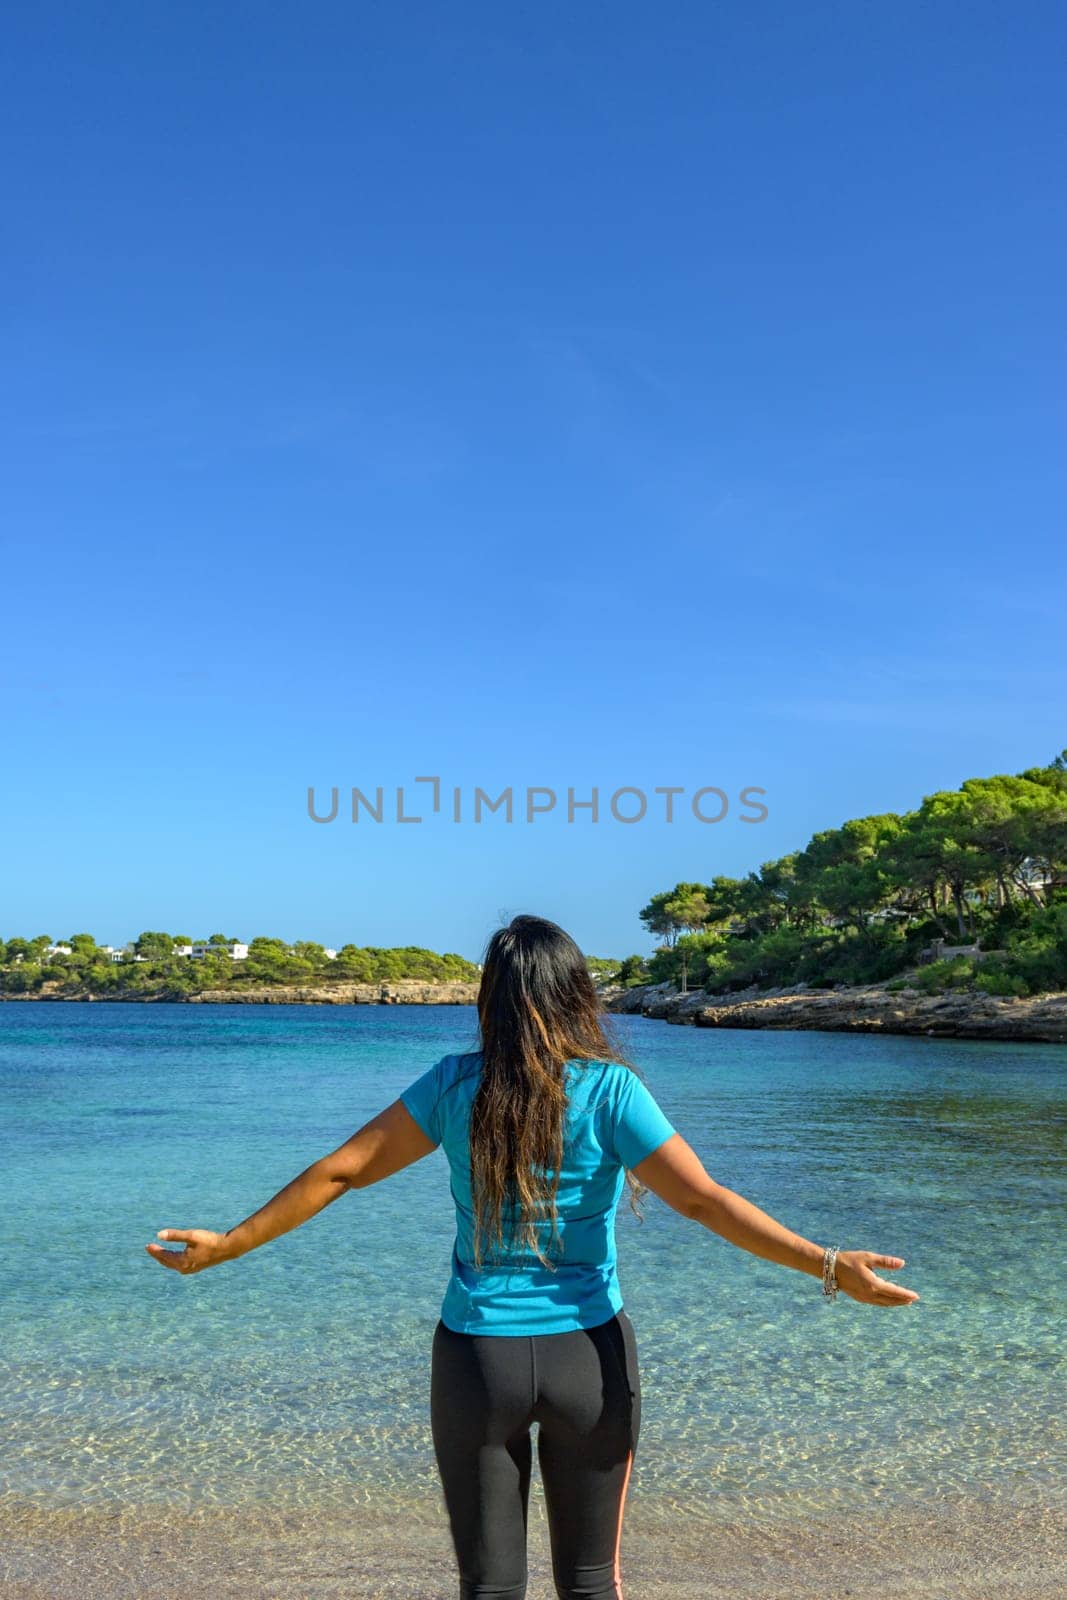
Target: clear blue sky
568 395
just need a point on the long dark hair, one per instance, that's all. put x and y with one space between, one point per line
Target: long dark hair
537 1010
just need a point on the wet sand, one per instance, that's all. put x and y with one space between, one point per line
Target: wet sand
949 1550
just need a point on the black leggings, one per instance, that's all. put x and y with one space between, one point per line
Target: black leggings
583 1390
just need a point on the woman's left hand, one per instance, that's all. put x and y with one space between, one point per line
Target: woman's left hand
202 1249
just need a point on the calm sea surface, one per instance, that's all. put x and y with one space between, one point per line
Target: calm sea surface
298 1377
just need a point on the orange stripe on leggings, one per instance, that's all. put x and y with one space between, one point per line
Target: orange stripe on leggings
618 1530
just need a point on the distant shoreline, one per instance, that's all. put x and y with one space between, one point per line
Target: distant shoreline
871 1008
401 992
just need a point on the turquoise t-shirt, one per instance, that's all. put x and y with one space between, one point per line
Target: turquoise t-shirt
612 1123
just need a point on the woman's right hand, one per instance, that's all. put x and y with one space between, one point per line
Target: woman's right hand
856 1277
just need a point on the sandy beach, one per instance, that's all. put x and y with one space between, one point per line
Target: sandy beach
952 1550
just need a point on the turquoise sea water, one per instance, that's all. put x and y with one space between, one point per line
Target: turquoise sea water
298 1377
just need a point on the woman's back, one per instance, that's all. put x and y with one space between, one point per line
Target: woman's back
612 1123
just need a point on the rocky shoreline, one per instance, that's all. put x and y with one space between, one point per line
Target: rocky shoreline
403 992
872 1008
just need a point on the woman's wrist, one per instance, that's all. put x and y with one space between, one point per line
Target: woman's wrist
811 1261
230 1244
834 1268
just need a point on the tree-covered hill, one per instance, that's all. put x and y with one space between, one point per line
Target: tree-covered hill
982 867
153 967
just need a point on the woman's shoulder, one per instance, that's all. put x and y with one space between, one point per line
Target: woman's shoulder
599 1079
600 1066
582 1072
459 1066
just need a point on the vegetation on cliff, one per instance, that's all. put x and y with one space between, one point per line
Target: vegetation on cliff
152 967
983 867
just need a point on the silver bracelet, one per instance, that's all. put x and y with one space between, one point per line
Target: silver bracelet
829 1276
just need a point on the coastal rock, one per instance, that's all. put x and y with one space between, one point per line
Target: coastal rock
402 992
872 1008
405 992
633 1002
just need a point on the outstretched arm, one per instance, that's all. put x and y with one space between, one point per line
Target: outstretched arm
391 1141
675 1172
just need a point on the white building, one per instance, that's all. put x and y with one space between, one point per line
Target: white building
110 951
183 950
331 955
57 950
235 951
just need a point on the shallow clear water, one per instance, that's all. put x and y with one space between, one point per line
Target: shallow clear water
297 1378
